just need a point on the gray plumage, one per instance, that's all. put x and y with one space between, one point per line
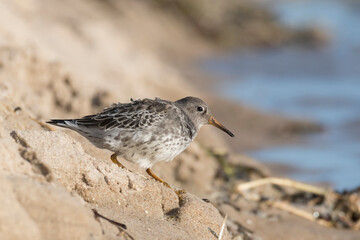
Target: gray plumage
145 131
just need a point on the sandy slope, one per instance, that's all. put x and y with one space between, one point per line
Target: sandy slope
70 59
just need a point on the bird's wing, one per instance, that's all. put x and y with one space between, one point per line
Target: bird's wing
139 114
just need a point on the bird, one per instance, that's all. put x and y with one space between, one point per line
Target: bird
145 131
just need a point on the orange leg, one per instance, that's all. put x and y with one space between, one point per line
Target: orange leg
148 171
114 160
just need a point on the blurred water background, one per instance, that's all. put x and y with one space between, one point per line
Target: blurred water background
320 84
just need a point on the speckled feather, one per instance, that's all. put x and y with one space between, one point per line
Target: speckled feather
139 114
142 131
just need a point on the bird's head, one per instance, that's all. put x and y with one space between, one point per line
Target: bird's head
199 112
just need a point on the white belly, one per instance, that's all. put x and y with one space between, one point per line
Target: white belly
149 153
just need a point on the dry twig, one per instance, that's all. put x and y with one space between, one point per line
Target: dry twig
298 212
282 182
120 226
241 188
222 227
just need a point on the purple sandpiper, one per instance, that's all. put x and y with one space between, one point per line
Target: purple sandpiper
145 131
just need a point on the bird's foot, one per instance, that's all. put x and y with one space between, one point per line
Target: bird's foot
181 195
166 184
148 171
114 160
180 191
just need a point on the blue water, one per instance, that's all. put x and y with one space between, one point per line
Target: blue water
322 85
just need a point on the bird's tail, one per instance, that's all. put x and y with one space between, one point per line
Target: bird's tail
65 123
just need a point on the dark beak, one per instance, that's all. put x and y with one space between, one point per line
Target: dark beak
215 123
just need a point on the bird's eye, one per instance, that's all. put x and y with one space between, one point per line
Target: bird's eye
200 109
